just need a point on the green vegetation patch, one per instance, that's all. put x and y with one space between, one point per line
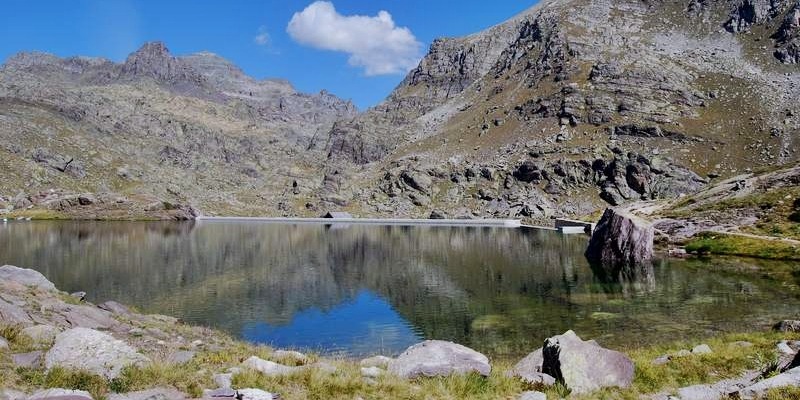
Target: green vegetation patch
735 245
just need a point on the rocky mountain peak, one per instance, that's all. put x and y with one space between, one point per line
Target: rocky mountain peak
153 60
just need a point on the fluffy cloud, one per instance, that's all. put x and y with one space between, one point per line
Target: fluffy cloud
262 38
374 43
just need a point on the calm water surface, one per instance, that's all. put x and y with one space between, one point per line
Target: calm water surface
360 290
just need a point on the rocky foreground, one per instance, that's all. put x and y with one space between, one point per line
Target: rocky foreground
54 345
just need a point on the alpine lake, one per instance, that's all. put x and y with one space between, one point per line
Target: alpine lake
357 290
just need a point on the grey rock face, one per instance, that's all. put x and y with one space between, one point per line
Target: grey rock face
439 358
94 351
621 239
27 277
584 366
788 37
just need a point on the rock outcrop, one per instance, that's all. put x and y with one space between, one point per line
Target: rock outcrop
27 277
93 351
584 366
621 239
439 358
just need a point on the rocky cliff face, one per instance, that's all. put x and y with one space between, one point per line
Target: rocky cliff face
564 109
576 104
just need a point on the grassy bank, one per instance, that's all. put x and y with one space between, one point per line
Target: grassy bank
735 245
730 358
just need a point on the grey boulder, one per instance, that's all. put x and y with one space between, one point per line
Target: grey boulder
27 277
270 368
788 378
439 358
41 333
532 395
376 361
621 239
93 351
584 366
255 394
28 360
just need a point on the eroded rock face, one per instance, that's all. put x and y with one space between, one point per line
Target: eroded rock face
621 239
94 351
584 366
439 358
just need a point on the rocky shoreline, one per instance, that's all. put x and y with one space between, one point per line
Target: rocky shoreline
48 334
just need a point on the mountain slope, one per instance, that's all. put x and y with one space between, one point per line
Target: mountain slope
188 130
574 104
568 107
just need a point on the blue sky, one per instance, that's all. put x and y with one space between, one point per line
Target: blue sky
364 66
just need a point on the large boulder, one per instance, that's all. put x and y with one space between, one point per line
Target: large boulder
584 366
621 239
27 277
529 369
92 351
439 358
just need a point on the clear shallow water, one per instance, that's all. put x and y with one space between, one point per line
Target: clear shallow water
360 290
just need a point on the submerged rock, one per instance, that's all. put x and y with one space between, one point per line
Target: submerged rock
621 239
439 358
584 366
93 351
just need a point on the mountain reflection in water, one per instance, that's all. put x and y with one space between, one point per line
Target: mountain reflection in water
361 290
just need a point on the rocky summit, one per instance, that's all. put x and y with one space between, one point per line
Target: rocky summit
569 107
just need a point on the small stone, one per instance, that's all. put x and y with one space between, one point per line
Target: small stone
532 395
783 348
197 343
221 392
293 355
223 381
181 357
255 394
371 372
701 349
3 344
662 360
60 394
44 334
683 353
28 360
81 296
376 361
742 343
270 368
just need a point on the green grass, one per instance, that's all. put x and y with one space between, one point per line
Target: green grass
720 243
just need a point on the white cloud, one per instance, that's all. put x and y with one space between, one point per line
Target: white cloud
374 43
262 38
